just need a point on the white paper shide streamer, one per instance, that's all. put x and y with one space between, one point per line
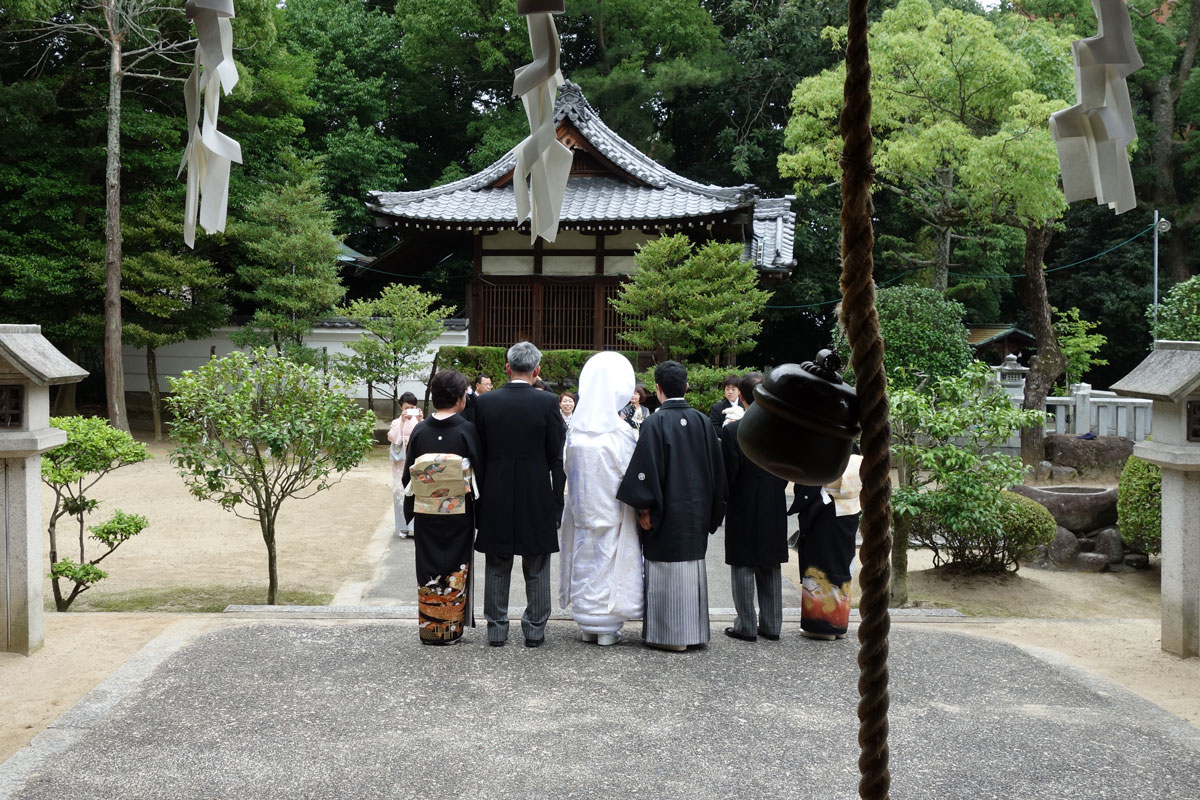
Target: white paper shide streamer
209 152
543 162
1093 134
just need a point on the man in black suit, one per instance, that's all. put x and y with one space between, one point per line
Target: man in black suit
732 398
520 507
481 386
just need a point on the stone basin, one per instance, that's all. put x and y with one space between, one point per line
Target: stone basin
1079 509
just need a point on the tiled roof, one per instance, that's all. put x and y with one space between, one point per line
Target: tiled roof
594 199
981 334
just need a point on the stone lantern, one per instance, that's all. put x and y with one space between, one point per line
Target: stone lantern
29 366
1170 376
1012 376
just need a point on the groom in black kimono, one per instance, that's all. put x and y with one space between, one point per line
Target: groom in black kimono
676 483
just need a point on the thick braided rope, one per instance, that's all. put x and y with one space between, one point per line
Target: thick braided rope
862 328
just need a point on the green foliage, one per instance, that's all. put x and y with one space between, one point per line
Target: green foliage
706 384
1139 505
1021 526
923 336
560 368
255 430
1179 312
289 270
953 478
472 361
92 450
960 136
1078 344
401 323
685 300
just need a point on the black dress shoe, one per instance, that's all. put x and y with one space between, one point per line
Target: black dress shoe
732 634
770 637
496 644
534 642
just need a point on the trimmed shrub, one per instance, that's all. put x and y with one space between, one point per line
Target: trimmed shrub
560 368
1139 505
1023 525
705 383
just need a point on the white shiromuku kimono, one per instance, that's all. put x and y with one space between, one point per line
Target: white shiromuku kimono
600 578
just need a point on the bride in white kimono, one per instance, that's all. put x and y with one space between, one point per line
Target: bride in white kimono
600 565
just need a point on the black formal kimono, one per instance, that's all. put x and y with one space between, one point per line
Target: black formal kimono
676 473
756 514
826 545
443 541
521 431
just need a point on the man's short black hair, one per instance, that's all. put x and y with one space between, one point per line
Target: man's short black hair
731 380
480 378
746 387
447 386
671 377
408 397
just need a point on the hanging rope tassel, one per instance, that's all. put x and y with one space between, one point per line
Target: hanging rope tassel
862 328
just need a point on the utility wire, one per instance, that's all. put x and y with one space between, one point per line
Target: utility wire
1005 275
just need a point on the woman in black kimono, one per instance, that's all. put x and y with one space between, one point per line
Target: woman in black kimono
828 519
441 485
755 535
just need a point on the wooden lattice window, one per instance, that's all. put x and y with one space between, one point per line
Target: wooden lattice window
507 311
568 316
614 323
12 406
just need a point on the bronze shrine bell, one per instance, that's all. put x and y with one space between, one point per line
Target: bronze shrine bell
803 421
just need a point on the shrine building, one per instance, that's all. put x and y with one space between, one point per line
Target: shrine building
555 294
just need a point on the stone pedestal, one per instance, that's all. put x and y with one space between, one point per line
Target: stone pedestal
1181 562
21 554
29 366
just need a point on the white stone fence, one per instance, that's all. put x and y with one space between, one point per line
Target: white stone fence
1102 413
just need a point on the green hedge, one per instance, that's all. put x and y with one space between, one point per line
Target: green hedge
1024 524
1139 505
560 368
705 383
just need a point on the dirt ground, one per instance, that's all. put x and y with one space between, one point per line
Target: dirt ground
1107 622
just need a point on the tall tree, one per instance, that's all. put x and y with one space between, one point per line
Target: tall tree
140 38
172 293
288 268
944 83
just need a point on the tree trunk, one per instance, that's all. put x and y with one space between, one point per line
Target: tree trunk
268 533
59 603
901 524
898 595
155 395
114 374
941 259
1049 362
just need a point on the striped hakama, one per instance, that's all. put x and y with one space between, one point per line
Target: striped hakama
676 603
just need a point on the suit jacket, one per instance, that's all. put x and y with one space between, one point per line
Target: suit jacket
521 434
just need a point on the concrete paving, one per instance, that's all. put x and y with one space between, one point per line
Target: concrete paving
343 701
308 709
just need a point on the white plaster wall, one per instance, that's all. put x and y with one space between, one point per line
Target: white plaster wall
626 239
173 360
507 265
569 240
568 265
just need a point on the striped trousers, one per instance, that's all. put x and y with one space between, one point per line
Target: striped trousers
676 603
497 575
769 581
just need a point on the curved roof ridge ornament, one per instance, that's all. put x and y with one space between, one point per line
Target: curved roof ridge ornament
543 162
209 153
1092 135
